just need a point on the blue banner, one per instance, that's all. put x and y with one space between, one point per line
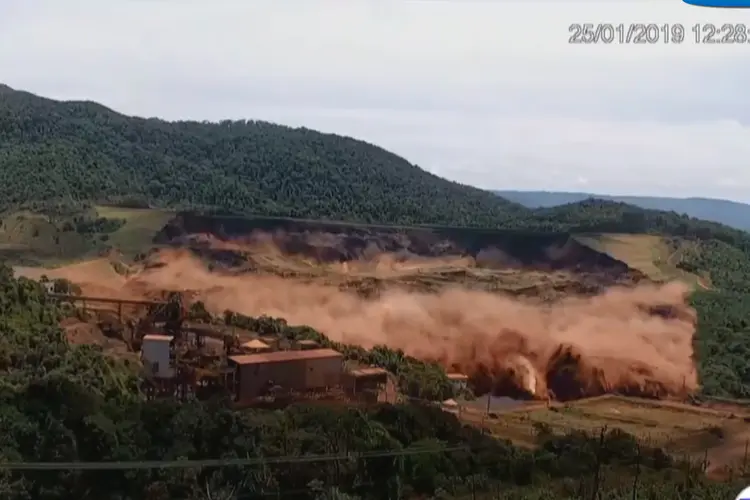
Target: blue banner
723 4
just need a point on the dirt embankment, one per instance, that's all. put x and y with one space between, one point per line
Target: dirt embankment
335 242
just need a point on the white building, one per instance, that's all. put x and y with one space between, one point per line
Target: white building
155 355
459 380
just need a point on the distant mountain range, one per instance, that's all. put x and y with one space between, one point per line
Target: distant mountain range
731 213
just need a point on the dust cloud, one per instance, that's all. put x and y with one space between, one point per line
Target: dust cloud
629 340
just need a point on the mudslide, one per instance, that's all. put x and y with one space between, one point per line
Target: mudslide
635 341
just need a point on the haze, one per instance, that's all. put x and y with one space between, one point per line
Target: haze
487 93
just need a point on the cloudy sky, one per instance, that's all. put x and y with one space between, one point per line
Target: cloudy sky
488 93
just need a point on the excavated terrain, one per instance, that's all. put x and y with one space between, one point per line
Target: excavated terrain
528 314
372 258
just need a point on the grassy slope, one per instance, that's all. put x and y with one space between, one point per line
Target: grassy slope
655 256
141 225
33 239
681 429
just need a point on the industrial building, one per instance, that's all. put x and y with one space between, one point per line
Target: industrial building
156 355
306 345
274 343
297 371
366 384
185 360
459 380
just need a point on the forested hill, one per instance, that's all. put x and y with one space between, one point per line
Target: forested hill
726 212
76 152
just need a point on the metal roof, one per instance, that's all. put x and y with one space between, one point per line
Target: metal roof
457 376
204 328
157 338
368 372
255 344
281 356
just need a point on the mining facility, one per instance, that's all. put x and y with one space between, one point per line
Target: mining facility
182 359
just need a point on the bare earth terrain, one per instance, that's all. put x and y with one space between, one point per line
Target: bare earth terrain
720 436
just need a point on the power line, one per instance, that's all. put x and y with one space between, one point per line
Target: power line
281 493
232 462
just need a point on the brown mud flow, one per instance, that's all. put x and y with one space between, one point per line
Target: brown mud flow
546 265
629 340
577 347
339 242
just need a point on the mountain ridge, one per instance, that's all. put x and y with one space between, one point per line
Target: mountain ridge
79 152
731 213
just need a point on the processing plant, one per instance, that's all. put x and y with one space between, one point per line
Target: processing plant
183 359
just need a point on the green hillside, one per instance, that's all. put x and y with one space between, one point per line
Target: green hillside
74 153
59 157
727 212
658 257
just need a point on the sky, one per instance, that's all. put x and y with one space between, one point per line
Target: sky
487 93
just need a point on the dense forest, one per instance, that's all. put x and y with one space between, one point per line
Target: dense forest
64 403
76 152
723 339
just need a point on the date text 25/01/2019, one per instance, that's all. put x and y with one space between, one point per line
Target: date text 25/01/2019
653 33
626 33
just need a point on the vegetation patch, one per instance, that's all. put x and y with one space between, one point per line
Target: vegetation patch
656 256
43 239
70 403
656 422
140 226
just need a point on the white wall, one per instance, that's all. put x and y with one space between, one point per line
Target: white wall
460 384
157 351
